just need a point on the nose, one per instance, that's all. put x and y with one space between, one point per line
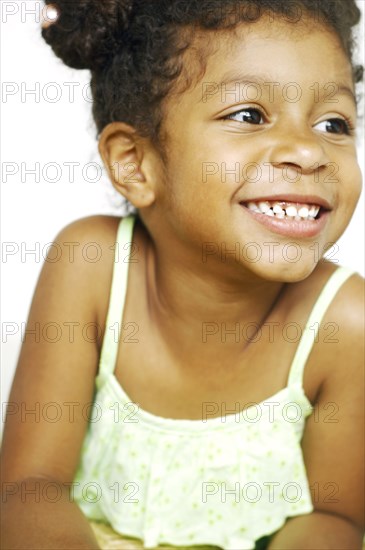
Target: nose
298 146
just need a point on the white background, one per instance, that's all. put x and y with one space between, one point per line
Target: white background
60 132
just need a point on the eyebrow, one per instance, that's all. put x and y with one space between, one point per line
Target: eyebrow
231 77
246 79
345 90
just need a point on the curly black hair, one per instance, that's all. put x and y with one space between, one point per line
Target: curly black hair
134 48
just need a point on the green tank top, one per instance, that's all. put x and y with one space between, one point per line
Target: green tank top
228 482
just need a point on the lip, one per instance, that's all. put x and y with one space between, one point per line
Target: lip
300 199
290 228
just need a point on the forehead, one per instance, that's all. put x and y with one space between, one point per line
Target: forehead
273 50
282 48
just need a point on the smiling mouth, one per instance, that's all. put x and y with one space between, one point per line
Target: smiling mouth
283 210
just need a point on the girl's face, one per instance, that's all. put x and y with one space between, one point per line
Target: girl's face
266 124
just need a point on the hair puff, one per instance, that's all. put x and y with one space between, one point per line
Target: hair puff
87 33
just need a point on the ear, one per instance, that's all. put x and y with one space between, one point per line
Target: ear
128 159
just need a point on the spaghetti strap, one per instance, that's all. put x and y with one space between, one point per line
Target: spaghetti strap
334 283
118 293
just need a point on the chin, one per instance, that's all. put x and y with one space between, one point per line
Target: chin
284 272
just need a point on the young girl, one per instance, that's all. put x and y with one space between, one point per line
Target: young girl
207 390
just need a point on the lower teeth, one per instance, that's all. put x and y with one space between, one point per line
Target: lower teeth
284 216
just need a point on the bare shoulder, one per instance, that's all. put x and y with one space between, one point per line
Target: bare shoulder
338 352
341 329
333 441
346 309
348 303
89 244
345 318
98 229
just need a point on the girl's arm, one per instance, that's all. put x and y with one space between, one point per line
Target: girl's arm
317 531
52 388
333 441
52 521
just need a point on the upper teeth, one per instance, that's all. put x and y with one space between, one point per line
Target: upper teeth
285 210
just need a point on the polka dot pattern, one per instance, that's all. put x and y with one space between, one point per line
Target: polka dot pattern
189 483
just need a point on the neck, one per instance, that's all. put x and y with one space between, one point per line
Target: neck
193 305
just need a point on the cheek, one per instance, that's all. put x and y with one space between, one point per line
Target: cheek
350 186
197 206
197 184
206 170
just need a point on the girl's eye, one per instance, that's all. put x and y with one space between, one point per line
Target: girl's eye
337 126
250 115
